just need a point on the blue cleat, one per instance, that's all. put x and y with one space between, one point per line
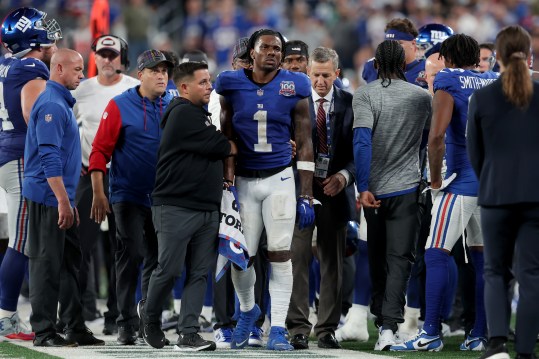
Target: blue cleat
277 340
422 342
474 343
246 321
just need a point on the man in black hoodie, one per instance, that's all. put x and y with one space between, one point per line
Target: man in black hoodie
186 202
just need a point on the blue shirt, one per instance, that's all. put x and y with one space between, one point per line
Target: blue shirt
262 115
460 84
14 74
52 146
414 72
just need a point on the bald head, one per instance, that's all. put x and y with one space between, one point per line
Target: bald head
66 68
433 65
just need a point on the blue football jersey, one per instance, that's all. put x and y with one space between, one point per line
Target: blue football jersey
460 84
14 74
414 72
262 118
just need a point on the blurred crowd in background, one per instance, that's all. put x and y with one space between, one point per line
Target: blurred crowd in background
352 27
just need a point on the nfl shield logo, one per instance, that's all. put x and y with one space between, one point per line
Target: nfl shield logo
288 88
260 92
48 118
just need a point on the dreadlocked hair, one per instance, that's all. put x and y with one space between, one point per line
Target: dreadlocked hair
513 49
461 50
389 59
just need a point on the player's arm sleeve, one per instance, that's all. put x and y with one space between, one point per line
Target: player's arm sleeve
362 156
196 136
106 138
474 137
50 121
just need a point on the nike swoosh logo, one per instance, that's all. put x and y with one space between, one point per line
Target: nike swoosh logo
284 178
242 343
33 65
421 344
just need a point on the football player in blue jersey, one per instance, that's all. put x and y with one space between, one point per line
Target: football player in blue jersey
259 110
455 210
405 33
31 40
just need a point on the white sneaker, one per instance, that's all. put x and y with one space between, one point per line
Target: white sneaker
223 338
355 325
386 339
9 325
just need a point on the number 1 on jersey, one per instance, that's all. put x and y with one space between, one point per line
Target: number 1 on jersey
262 118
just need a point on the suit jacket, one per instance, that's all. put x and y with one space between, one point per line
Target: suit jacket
341 152
503 146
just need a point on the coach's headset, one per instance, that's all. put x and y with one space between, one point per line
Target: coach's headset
124 60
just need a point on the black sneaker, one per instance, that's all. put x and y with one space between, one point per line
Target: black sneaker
150 331
83 337
54 341
194 342
126 335
495 350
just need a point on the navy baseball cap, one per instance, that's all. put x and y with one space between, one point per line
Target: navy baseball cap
240 49
151 58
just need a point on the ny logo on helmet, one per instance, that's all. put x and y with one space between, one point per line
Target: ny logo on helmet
437 36
23 24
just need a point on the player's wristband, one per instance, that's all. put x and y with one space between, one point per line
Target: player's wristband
305 166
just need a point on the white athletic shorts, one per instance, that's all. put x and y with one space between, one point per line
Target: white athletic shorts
11 175
271 203
451 214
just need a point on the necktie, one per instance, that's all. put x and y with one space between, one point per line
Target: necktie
321 127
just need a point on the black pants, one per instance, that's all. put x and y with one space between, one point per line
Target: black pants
509 230
392 230
137 244
54 260
89 234
330 242
186 238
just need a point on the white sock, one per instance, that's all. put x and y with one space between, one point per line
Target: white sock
280 288
6 313
244 284
177 305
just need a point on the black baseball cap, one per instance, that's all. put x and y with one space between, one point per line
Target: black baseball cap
240 49
296 47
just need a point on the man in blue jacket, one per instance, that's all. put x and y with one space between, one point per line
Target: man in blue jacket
129 133
52 157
